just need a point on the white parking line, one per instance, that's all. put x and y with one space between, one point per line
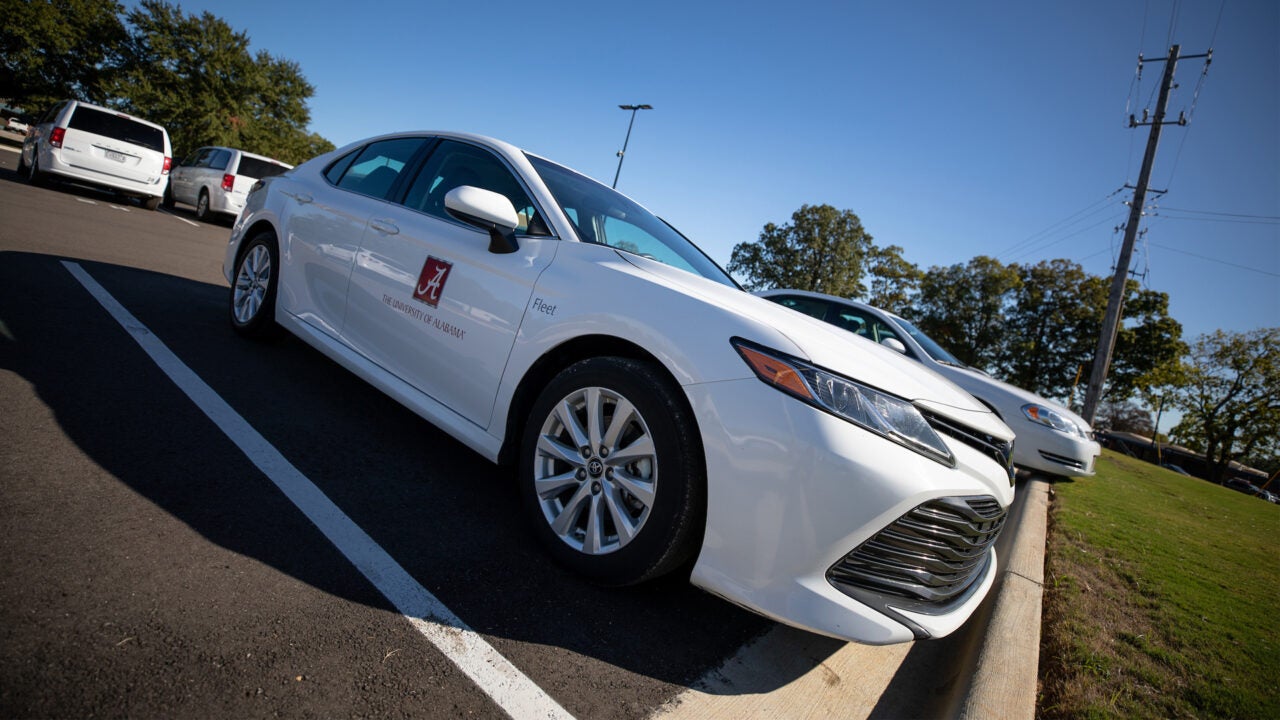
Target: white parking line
86 201
192 224
509 688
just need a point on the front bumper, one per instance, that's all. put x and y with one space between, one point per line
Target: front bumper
793 492
1046 450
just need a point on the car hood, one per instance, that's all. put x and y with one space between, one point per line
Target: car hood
1005 397
835 349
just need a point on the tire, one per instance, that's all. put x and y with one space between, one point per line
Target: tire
202 207
35 176
253 288
22 165
150 203
168 197
620 501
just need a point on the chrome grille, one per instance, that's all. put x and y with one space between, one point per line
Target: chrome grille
999 450
931 554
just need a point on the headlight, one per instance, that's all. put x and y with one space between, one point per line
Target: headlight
1053 419
890 417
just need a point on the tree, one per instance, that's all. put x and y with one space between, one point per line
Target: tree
1227 390
893 279
963 308
1148 342
52 50
1051 327
195 75
1124 417
823 249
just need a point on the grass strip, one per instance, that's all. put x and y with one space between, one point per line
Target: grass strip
1161 596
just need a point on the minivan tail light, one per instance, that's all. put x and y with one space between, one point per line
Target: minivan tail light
56 135
168 163
228 182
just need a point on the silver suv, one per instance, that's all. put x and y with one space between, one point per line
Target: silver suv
216 180
85 143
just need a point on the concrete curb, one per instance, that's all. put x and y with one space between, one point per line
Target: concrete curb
1004 681
987 669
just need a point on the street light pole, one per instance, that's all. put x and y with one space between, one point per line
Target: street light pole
623 151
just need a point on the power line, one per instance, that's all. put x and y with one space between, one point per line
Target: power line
1216 220
1223 214
1044 246
1216 260
1067 222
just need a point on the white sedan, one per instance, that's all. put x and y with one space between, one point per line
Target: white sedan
1051 438
660 418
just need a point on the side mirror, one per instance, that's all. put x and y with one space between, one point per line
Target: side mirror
487 210
894 343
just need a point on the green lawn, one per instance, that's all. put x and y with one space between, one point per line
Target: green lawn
1162 598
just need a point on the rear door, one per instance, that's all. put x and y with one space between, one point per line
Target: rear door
182 180
327 215
114 145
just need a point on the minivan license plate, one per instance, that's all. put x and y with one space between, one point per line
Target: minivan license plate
117 156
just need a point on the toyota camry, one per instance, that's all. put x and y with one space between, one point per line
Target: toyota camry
659 418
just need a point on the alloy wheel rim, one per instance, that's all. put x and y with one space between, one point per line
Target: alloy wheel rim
595 471
252 283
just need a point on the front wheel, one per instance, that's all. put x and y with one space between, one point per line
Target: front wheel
612 473
253 288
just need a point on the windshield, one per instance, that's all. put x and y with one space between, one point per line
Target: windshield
605 217
935 351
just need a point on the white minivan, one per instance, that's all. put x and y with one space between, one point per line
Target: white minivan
216 180
84 143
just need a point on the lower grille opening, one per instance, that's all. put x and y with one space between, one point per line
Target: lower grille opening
930 555
1073 464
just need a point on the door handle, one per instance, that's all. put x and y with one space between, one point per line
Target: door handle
386 227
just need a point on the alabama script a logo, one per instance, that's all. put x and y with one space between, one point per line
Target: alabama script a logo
431 282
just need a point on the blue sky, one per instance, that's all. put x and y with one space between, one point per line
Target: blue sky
953 129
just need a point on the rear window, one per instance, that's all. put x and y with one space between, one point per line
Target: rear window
255 168
114 126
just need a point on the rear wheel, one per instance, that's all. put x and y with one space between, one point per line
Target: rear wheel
253 288
202 206
36 176
168 197
151 203
612 473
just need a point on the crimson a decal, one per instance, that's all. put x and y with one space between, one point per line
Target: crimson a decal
431 281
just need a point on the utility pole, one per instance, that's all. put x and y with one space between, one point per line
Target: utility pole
622 153
1115 301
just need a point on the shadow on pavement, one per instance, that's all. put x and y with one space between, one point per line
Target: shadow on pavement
445 514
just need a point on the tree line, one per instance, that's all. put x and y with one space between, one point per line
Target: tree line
1036 326
192 74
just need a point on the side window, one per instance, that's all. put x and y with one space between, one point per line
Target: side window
334 173
374 169
220 159
808 306
193 159
454 164
853 321
872 327
202 160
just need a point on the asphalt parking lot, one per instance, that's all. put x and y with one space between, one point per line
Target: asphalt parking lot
155 566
